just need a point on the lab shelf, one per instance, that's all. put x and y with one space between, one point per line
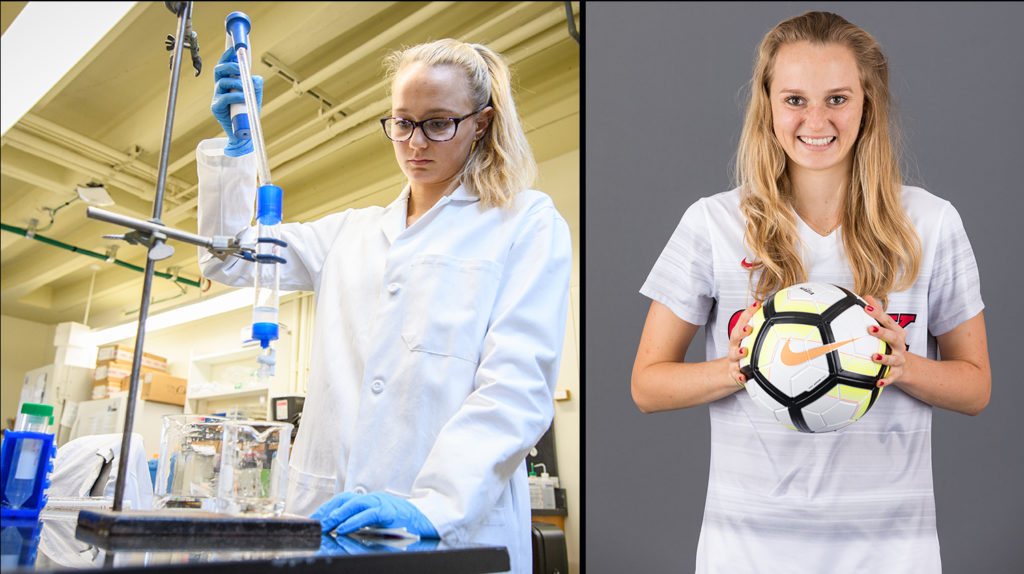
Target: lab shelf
214 368
236 394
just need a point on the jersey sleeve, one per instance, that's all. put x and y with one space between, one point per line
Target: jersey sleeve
683 278
954 292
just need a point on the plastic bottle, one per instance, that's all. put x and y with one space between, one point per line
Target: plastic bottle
21 477
536 492
547 484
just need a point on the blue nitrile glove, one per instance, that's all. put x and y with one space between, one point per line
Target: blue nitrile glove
223 98
349 512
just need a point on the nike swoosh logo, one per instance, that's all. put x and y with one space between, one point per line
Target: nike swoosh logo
746 264
792 358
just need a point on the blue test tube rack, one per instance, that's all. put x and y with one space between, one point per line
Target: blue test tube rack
35 503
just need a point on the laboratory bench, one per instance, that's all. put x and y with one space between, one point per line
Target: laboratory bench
554 516
61 547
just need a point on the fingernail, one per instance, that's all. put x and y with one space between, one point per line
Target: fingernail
741 378
746 328
756 304
743 351
876 357
881 383
874 329
869 309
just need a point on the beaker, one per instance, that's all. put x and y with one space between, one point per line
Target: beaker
254 467
189 465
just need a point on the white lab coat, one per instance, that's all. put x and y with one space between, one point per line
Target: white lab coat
436 347
79 462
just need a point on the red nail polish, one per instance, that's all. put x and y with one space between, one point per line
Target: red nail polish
869 309
876 357
881 383
874 329
756 304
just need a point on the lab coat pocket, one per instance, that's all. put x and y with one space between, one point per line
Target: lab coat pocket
500 514
449 305
307 491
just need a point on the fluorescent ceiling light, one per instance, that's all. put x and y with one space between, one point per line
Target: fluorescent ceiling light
44 43
208 308
94 195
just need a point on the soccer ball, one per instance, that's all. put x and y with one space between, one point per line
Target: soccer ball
809 357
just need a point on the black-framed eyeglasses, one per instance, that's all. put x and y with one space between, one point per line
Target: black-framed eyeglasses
435 129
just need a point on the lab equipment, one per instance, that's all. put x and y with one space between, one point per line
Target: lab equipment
268 210
254 467
349 512
267 287
63 384
542 488
150 233
239 117
547 484
237 25
549 550
28 453
536 492
189 465
19 542
199 536
228 98
288 408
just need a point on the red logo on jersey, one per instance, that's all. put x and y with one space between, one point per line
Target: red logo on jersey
746 264
903 319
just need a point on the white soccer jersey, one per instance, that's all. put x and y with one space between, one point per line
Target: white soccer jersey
856 500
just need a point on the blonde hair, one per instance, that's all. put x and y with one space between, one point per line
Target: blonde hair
881 245
500 165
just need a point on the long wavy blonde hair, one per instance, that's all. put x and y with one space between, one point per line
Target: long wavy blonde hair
881 244
500 165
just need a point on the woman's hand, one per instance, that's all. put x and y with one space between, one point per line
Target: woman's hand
662 380
961 381
890 332
736 352
348 512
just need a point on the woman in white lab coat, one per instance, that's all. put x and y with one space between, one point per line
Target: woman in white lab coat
439 318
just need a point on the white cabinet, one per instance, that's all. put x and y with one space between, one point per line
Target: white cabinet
227 381
61 386
105 416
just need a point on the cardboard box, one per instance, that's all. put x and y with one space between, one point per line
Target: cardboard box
76 356
163 388
72 334
107 387
103 388
114 371
125 354
112 382
99 391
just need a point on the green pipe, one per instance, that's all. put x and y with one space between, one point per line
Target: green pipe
55 243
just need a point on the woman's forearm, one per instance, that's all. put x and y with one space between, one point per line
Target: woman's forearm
670 385
962 380
957 385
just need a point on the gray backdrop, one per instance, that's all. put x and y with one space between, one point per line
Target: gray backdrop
664 100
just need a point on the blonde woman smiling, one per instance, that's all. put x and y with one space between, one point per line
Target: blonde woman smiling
819 198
